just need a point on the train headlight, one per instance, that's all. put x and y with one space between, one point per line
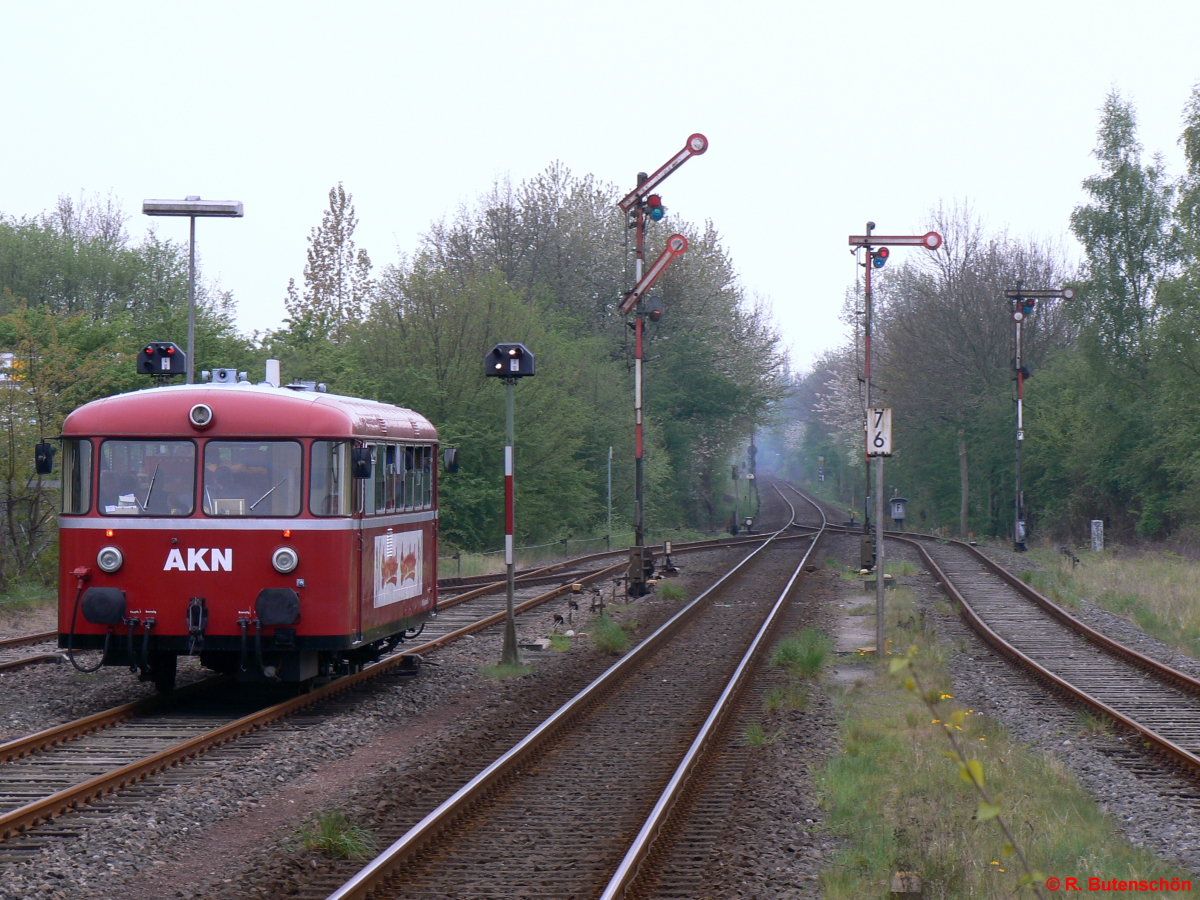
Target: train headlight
201 415
285 560
110 559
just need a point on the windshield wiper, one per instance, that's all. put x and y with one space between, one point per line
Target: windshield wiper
146 502
268 493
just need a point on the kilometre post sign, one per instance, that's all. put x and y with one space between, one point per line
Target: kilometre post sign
879 432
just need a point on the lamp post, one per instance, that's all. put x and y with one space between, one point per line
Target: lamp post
1023 303
193 207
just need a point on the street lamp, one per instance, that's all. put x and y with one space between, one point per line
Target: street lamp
193 207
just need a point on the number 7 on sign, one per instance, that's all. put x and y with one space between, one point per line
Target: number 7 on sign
879 432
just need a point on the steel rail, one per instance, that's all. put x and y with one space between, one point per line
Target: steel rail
545 571
380 868
1179 756
642 845
24 640
1162 745
23 661
62 734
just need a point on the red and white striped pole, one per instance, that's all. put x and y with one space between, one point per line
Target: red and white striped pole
510 656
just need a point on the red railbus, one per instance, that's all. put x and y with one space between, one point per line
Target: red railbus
279 533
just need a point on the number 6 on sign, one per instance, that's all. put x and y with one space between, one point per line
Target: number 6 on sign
879 432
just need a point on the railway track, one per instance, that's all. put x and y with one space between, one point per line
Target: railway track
24 650
575 807
1155 703
46 776
1157 707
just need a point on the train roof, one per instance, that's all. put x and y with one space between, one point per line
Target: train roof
245 410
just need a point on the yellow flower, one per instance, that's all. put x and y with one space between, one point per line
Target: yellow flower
995 863
947 696
983 739
935 721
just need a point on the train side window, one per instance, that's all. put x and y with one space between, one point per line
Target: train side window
427 477
368 484
330 487
380 478
411 485
390 486
147 478
76 476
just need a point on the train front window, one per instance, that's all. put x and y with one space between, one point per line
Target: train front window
76 476
330 483
147 478
252 478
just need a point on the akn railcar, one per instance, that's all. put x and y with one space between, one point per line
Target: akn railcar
280 534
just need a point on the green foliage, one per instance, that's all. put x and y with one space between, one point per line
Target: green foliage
669 590
608 636
560 642
756 736
904 799
802 655
332 833
505 671
788 697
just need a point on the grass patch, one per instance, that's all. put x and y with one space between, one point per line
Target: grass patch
560 642
863 609
608 636
803 654
669 590
788 697
27 596
899 567
1093 723
333 834
505 671
756 736
1155 591
900 804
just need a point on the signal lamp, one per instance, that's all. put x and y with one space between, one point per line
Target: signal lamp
655 208
879 258
161 358
1027 304
509 361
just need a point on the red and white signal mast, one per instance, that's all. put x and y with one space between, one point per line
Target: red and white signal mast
642 203
877 422
1024 302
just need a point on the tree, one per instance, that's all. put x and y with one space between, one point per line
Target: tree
337 275
1126 232
946 359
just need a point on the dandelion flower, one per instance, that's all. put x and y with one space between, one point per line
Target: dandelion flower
935 721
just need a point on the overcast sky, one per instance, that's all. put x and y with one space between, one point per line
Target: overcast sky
819 116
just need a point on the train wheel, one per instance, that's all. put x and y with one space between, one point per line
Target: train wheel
163 667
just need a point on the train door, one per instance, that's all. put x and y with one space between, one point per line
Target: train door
366 540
